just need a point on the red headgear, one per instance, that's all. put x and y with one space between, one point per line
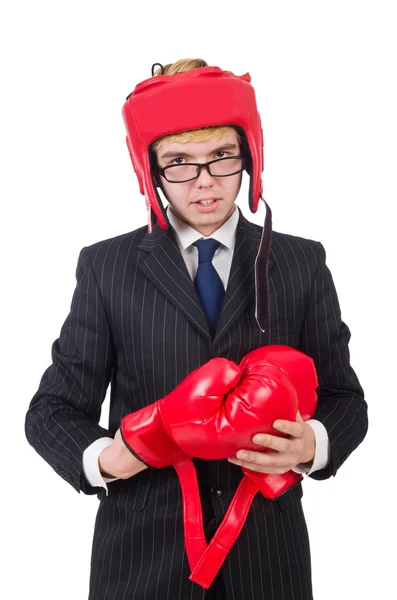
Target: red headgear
201 97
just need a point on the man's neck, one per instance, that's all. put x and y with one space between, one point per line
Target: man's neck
206 232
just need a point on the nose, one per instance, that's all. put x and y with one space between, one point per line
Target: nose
204 179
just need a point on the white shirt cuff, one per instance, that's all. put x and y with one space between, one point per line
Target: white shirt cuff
91 464
322 455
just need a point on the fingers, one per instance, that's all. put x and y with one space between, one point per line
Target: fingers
285 450
280 444
294 431
293 428
266 462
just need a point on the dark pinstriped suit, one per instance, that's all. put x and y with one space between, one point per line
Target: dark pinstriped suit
136 321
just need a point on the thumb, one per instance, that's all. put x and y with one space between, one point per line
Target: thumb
299 417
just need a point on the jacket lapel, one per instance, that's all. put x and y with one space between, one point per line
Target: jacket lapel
166 269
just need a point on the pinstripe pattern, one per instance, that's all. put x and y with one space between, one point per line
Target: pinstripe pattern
136 322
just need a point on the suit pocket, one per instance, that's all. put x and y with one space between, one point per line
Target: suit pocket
131 494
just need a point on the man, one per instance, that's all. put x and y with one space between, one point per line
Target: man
140 320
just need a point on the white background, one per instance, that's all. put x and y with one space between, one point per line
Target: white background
325 78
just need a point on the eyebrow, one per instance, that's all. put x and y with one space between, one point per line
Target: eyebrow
174 153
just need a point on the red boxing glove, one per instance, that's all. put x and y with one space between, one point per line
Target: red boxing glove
216 410
211 426
300 370
148 432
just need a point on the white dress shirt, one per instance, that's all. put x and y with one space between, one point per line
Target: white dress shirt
222 261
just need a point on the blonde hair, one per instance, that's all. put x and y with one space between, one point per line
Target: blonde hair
197 135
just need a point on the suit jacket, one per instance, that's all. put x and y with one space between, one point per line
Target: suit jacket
136 322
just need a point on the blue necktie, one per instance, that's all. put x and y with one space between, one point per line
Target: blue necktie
208 284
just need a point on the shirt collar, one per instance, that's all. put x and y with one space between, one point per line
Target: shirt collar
186 235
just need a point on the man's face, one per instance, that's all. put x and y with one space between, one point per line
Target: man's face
184 197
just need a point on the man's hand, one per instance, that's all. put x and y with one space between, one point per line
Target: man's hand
117 461
299 447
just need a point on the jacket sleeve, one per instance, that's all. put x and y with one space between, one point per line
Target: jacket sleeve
325 337
63 415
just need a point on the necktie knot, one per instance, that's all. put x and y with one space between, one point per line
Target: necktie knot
206 249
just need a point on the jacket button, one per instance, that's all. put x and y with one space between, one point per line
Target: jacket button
216 491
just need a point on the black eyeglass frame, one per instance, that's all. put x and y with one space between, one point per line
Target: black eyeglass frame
201 166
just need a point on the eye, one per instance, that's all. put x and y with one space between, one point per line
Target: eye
221 152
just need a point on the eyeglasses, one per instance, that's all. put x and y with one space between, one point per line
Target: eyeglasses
221 167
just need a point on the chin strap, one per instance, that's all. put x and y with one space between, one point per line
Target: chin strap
149 213
261 272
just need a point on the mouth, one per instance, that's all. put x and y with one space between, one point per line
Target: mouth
206 201
207 205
